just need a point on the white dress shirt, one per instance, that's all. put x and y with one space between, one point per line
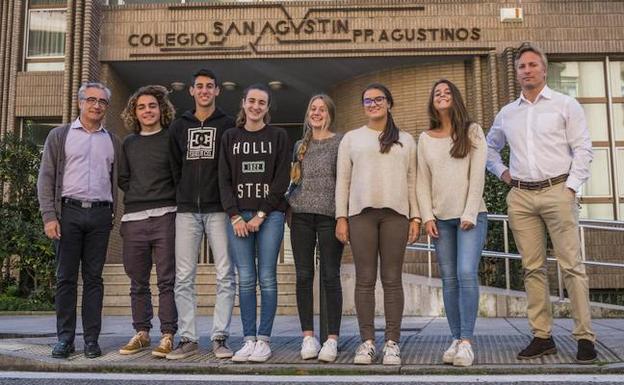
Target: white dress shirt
547 138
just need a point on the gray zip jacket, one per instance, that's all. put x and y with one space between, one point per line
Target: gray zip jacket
52 169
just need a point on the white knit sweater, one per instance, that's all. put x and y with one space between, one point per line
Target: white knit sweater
448 187
367 178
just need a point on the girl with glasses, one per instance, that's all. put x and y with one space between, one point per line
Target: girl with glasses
377 213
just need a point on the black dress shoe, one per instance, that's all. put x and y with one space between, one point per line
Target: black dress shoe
586 353
537 348
62 349
92 350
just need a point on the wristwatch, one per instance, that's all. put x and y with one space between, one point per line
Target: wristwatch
261 214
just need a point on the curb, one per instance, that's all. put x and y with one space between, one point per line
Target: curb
20 362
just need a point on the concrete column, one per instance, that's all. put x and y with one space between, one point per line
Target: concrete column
5 50
15 55
478 79
511 74
492 62
67 75
77 54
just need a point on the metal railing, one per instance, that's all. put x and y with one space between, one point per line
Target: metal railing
584 224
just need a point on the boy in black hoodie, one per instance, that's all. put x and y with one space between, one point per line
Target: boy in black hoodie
195 143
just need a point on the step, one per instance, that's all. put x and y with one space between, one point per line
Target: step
123 288
117 268
201 310
200 277
202 300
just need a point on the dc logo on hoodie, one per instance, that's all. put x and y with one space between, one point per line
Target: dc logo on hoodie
201 143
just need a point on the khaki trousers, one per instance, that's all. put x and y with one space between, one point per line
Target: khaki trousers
531 212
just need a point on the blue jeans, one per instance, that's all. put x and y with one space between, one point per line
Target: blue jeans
459 252
190 230
263 246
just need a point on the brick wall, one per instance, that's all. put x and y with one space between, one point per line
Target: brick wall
120 95
410 87
39 94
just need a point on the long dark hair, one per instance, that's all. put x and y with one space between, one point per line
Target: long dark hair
460 120
241 118
295 171
390 135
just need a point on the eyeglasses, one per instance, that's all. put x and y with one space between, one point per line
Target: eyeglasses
93 101
376 100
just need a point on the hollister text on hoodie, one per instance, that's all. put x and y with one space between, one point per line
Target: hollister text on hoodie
254 169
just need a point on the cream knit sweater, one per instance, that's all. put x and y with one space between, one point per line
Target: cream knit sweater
448 187
367 178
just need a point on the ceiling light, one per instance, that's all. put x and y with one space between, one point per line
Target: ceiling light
177 86
276 85
229 86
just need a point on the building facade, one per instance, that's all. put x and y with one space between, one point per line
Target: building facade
49 47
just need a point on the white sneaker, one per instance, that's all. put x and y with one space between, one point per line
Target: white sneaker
245 352
365 354
464 356
310 347
392 353
449 354
261 352
329 351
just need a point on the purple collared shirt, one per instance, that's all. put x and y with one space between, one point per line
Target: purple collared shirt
88 164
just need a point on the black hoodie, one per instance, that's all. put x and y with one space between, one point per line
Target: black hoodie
195 153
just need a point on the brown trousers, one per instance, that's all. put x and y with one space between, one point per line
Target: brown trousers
148 241
531 213
378 235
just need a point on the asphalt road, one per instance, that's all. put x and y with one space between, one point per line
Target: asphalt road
35 378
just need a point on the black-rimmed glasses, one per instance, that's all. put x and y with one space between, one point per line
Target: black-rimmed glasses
376 100
92 101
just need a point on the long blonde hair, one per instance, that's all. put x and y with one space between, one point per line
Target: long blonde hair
295 171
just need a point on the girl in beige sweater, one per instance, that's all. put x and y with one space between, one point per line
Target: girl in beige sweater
377 212
451 175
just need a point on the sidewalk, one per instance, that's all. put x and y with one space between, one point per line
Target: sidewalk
26 341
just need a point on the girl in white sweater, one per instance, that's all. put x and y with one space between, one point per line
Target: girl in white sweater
376 211
451 176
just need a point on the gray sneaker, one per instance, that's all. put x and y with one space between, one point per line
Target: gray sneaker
184 349
220 348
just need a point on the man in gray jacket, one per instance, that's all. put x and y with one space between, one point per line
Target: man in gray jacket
77 197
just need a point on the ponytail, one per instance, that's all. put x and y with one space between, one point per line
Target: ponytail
389 136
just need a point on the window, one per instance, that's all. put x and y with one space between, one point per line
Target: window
47 3
601 95
37 129
616 76
45 39
578 79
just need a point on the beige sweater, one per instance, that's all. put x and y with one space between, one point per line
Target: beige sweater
367 178
449 187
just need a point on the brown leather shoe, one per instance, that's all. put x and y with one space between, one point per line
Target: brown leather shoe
164 347
537 348
137 343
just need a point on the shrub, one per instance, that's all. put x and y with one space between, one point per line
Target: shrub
492 270
23 245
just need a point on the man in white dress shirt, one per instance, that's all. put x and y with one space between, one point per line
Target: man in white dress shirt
550 156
